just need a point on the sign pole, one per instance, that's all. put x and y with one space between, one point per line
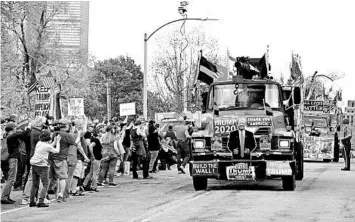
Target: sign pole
108 101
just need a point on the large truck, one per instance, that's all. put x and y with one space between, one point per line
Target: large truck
319 132
279 149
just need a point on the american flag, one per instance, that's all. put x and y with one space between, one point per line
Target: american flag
48 81
179 115
32 85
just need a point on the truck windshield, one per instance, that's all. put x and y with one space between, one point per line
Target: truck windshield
250 95
318 122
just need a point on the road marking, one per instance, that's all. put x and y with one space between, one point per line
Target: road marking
170 206
20 208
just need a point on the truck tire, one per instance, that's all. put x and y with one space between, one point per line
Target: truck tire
200 183
299 162
327 160
289 183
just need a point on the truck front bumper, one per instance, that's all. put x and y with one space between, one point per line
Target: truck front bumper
263 169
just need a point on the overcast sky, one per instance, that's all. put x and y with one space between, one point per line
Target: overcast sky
321 32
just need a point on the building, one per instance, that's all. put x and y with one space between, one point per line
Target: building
349 112
69 32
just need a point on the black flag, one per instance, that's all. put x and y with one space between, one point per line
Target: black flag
207 71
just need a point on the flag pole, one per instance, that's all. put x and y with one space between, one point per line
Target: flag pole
227 65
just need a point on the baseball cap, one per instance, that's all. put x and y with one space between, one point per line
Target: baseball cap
10 126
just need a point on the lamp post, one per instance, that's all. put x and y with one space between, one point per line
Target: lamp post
145 77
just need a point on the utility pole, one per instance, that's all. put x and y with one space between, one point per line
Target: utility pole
108 95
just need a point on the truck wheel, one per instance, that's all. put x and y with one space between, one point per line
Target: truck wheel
200 183
289 183
299 162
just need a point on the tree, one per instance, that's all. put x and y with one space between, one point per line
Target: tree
125 79
170 66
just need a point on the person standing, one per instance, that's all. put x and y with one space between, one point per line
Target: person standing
126 143
39 163
138 150
345 138
153 144
14 154
110 155
182 147
95 149
58 162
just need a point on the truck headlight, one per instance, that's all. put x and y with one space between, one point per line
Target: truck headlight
284 143
199 144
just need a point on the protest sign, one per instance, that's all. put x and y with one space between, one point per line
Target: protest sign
76 107
313 106
42 104
127 109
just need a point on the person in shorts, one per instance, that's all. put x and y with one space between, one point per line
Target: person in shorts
58 161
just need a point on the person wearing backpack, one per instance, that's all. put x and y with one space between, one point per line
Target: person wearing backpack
14 154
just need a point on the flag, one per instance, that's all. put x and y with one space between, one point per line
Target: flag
226 71
296 68
207 71
32 85
263 66
48 80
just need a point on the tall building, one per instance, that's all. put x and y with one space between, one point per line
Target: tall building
69 31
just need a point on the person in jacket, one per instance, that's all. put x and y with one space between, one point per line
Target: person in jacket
138 150
345 138
241 142
153 144
14 154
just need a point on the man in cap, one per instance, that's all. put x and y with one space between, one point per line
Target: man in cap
39 124
14 154
182 147
345 138
241 142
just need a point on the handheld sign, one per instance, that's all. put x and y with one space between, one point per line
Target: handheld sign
127 109
76 107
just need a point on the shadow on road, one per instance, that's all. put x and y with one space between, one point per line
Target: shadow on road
257 186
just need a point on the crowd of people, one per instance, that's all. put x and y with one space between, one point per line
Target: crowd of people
71 157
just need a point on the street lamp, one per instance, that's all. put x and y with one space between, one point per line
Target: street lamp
145 77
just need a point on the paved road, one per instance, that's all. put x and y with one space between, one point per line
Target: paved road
325 194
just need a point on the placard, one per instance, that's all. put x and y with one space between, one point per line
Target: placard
76 107
240 171
258 121
204 168
42 102
223 126
22 121
127 109
313 106
278 168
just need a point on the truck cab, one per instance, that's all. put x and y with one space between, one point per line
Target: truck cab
270 115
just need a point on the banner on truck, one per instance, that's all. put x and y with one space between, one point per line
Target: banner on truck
127 109
76 107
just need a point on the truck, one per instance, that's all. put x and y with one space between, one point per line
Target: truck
274 123
319 133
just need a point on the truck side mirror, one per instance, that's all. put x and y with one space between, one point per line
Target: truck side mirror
297 95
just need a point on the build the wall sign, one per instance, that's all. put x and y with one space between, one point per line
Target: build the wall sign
313 106
42 104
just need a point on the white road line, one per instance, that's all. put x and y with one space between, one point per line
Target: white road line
20 208
175 204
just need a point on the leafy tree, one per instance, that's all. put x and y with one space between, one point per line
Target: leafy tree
125 79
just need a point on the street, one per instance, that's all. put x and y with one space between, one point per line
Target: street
325 194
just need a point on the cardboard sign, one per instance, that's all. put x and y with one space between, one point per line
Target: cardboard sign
222 127
265 143
278 168
240 171
22 121
318 147
42 102
76 107
127 109
204 168
313 106
258 121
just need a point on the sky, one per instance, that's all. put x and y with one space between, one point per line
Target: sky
321 32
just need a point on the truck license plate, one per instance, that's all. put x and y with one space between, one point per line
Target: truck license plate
204 168
278 168
241 173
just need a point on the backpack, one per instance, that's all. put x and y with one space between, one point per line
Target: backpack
4 149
